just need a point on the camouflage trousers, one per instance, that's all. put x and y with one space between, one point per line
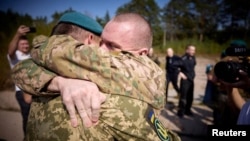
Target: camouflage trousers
122 119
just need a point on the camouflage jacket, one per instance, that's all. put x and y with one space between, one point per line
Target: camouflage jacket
119 73
32 78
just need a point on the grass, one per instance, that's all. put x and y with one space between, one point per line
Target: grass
5 72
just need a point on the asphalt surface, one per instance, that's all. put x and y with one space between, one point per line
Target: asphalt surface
10 118
189 128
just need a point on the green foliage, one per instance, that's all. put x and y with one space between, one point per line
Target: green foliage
56 16
186 18
147 8
103 21
216 20
5 81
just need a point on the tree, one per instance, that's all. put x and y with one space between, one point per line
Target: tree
206 17
188 18
56 16
105 20
177 19
234 18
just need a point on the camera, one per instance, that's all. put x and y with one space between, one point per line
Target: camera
228 71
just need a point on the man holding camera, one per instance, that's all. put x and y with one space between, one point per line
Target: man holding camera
19 50
238 70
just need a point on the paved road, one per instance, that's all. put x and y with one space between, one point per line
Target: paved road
10 118
10 126
190 128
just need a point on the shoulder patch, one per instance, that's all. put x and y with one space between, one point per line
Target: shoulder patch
161 131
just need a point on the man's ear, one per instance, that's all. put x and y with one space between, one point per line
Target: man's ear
90 39
143 51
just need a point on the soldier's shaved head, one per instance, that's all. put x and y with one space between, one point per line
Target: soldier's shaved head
128 32
140 27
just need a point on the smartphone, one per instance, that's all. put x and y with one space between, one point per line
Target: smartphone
32 30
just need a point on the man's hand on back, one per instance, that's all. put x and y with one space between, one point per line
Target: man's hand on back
81 95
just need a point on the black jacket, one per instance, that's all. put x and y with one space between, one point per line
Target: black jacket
173 64
188 67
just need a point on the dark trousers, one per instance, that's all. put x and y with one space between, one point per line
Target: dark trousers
186 95
173 78
25 108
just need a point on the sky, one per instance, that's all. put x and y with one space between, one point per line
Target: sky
47 7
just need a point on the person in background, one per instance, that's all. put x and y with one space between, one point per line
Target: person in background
237 91
187 82
19 50
211 87
173 64
152 55
216 96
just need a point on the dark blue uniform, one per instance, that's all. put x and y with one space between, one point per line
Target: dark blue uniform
173 65
187 85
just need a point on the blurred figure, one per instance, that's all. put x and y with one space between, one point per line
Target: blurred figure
153 56
216 96
173 64
19 50
187 82
211 87
237 92
239 107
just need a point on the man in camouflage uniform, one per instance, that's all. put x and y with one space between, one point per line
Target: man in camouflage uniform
39 40
132 83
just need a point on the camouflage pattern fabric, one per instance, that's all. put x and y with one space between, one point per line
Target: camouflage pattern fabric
122 119
32 78
119 73
38 40
129 84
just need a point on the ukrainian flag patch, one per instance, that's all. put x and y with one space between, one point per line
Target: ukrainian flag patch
158 126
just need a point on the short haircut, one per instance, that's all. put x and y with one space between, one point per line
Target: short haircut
142 28
189 45
23 38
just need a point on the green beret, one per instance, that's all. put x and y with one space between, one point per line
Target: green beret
82 21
